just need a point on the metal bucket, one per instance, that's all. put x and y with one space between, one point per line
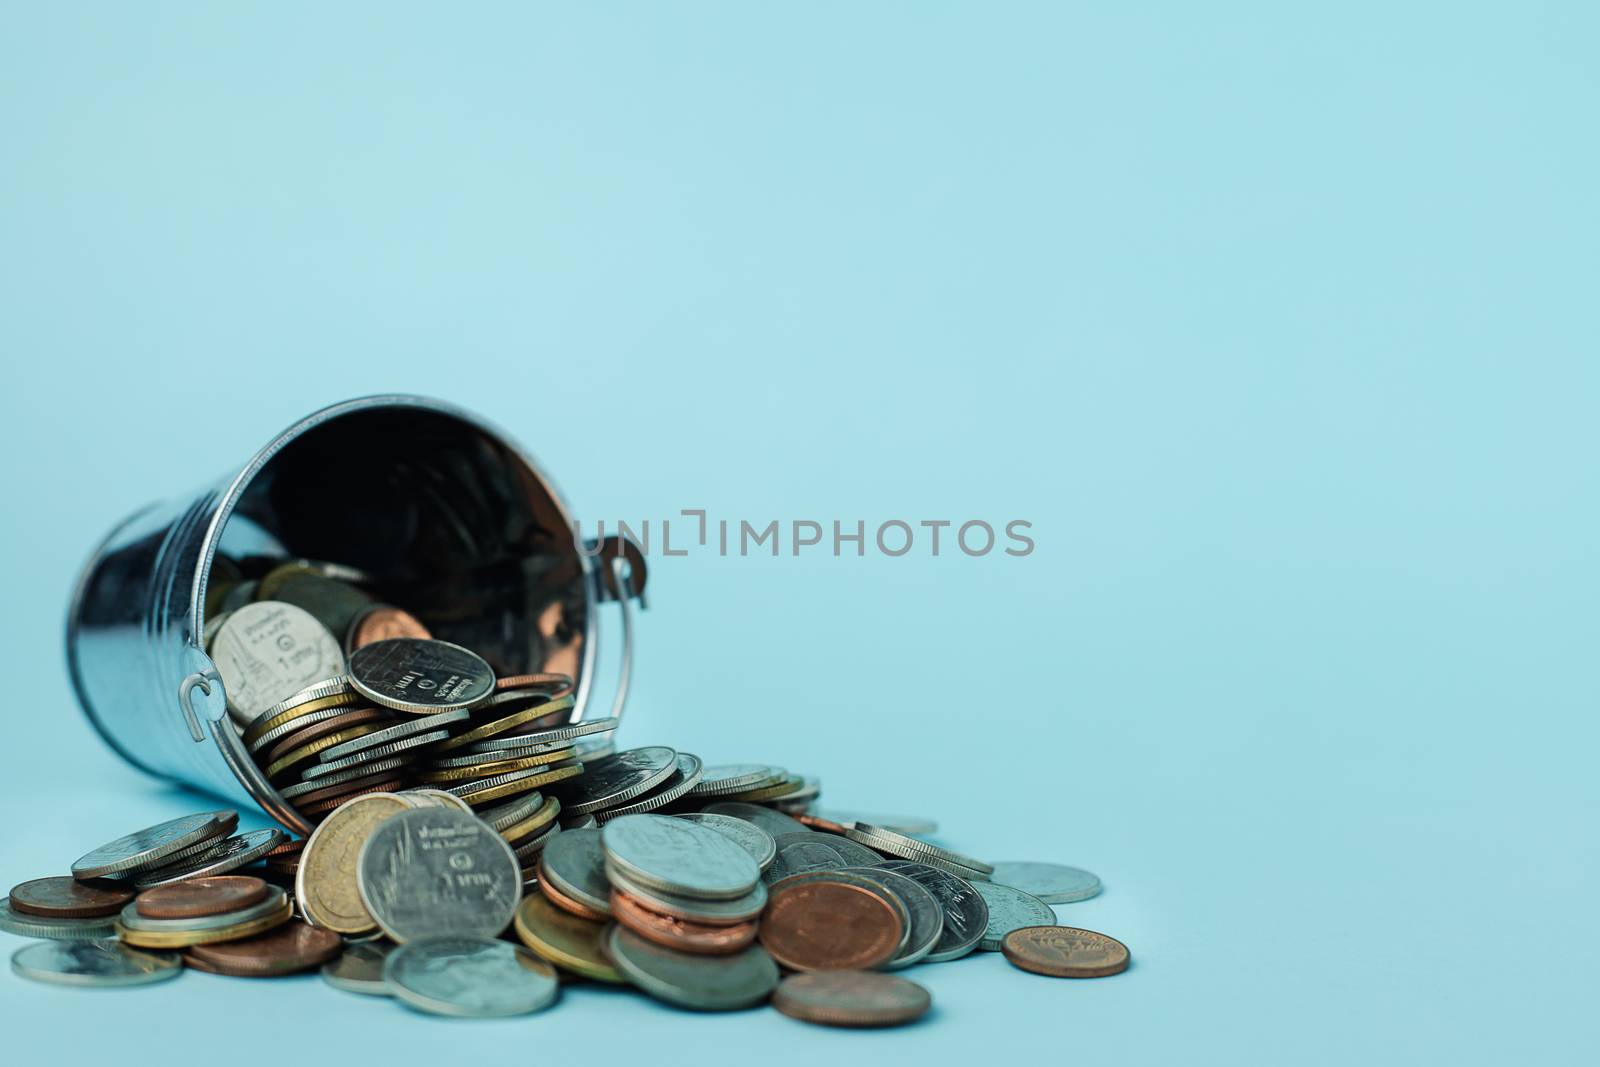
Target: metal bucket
424 497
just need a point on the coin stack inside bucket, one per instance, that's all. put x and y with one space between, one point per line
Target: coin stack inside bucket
475 849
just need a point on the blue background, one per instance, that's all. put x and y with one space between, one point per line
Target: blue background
1279 325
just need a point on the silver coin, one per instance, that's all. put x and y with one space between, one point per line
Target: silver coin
575 863
1053 883
737 778
800 797
229 855
530 849
596 749
909 848
1010 909
419 675
614 780
93 963
505 816
695 909
474 759
328 687
678 784
678 857
268 651
807 851
702 983
580 822
900 824
773 822
479 784
24 925
367 757
153 845
424 796
359 969
349 774
434 872
587 728
310 718
399 731
747 835
966 916
470 976
269 905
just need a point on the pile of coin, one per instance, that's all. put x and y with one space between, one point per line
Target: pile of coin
473 845
414 894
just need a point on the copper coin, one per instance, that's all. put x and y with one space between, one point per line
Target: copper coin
830 926
384 622
564 902
198 897
680 934
551 683
290 742
289 846
851 998
817 822
68 898
1065 952
292 947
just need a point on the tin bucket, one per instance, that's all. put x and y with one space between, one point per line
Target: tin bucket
426 499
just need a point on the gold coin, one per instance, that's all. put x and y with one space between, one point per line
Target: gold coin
533 823
185 938
504 766
325 884
571 943
521 785
510 722
338 700
310 749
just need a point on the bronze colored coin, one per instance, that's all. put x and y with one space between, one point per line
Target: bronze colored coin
382 623
499 726
851 998
550 683
1065 952
830 926
197 897
68 898
289 846
571 943
488 793
817 822
564 902
306 753
292 947
263 726
498 767
290 742
681 934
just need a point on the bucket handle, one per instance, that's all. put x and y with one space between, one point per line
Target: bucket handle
200 680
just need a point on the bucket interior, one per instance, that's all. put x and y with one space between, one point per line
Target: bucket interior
443 519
